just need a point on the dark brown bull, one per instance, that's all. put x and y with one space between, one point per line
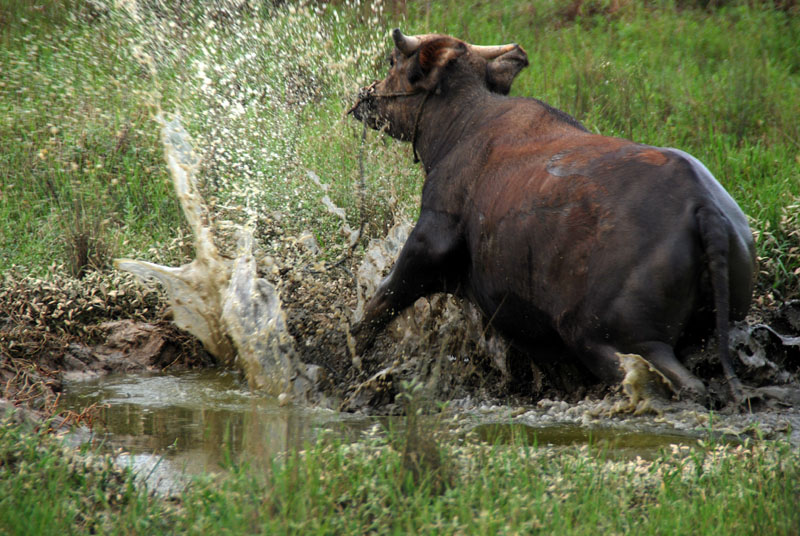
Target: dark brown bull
611 246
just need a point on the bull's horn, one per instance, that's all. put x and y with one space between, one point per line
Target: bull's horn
491 52
407 44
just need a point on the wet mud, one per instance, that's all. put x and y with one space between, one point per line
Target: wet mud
59 328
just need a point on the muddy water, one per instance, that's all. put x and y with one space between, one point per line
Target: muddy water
613 443
174 425
171 425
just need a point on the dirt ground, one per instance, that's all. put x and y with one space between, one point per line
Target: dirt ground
58 328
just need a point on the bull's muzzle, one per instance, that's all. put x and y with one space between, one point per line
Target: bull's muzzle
366 95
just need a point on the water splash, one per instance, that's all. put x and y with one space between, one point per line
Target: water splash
249 84
235 314
247 78
194 288
352 234
252 82
380 255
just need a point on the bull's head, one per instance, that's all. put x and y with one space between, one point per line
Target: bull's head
432 63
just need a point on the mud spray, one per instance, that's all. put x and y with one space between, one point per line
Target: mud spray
250 79
217 297
236 314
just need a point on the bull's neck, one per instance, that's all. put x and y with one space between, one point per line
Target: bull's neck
446 121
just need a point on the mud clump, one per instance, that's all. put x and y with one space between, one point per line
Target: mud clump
96 325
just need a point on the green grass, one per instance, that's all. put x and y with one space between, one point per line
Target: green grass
369 487
263 92
48 488
77 150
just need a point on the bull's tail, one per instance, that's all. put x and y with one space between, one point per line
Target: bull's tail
716 245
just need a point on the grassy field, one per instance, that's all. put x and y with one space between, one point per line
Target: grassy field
396 484
263 92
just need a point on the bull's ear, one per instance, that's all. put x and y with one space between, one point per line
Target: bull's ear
434 57
501 71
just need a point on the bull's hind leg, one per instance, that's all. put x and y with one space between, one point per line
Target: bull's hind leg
604 362
662 357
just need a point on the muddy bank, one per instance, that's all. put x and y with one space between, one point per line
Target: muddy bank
58 327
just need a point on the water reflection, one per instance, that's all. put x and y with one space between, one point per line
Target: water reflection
199 420
613 443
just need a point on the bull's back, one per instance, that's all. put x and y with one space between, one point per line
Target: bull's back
574 228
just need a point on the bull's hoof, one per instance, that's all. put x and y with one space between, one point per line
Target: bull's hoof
695 395
694 390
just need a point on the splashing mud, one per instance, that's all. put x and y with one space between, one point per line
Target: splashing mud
194 289
378 258
236 314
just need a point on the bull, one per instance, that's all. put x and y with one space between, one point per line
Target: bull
610 246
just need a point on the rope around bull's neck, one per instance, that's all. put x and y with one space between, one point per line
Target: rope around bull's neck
416 117
416 125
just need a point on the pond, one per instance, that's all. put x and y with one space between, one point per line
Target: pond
170 425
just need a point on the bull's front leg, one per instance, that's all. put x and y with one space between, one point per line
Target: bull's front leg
428 262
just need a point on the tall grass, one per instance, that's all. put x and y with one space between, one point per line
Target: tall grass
79 151
263 89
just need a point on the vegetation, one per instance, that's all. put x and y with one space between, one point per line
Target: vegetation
370 487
